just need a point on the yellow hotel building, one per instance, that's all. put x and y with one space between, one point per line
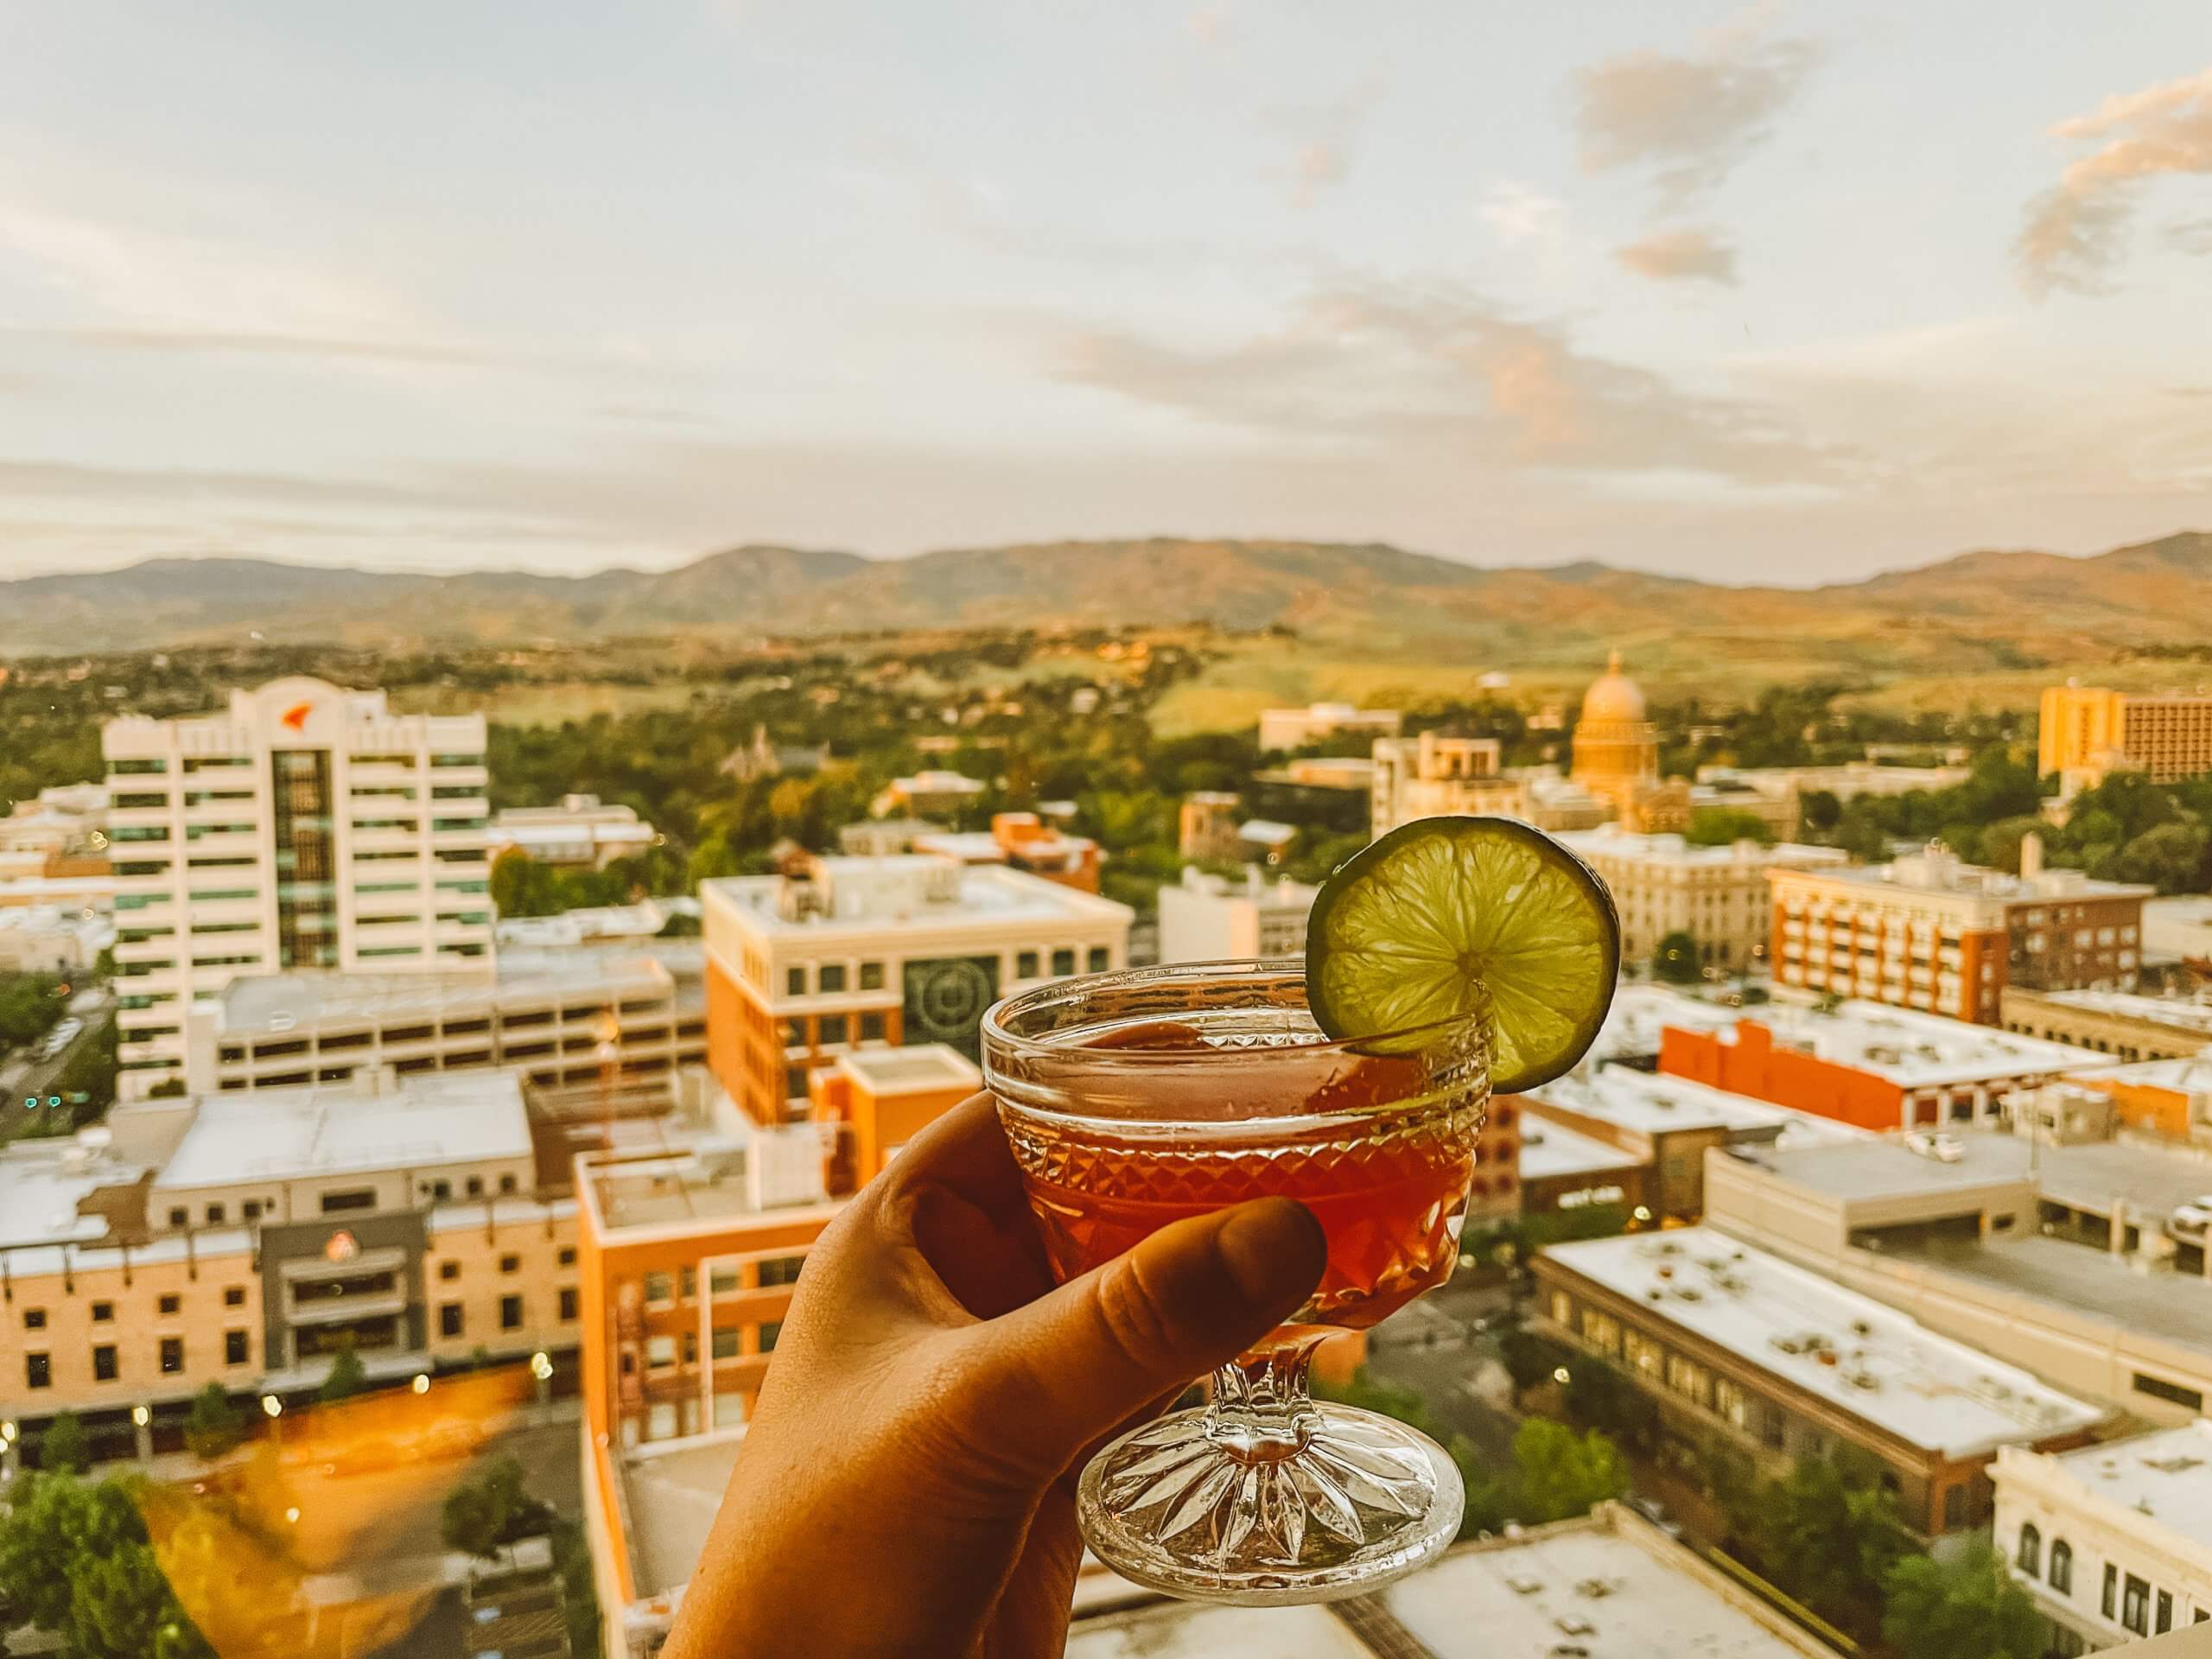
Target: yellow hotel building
2086 731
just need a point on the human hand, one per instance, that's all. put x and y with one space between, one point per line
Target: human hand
907 1482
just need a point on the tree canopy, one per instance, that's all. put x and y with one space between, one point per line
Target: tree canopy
1675 960
1965 1607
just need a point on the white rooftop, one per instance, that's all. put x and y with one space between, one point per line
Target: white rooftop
1640 1013
1937 870
937 782
2188 1074
926 1065
1910 1049
1548 1151
1674 852
452 1118
1267 832
2166 1476
589 924
41 1183
906 890
2177 927
2180 1012
1854 1353
268 1003
1196 1629
1654 1103
2153 1180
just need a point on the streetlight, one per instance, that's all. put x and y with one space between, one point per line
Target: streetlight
541 1365
8 1433
140 1416
1560 1375
272 1405
421 1384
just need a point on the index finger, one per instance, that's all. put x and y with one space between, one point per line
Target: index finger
964 1151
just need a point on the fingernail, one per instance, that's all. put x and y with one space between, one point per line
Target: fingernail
1270 1244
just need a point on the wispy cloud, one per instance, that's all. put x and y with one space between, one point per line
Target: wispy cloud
2075 233
1324 139
1680 255
1520 214
1687 122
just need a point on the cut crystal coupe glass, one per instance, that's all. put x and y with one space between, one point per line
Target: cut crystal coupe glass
1132 1100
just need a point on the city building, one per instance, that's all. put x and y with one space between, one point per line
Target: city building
1617 756
1325 791
589 925
304 826
1206 824
857 951
2086 732
560 1018
928 794
1717 895
1608 1584
2119 1023
47 939
2113 1541
687 1260
41 883
1565 1173
2169 1098
1865 1065
1214 919
2177 932
580 833
1021 841
240 1239
64 818
1666 1125
1285 729
1771 800
1951 1231
1435 776
869 1104
1742 1348
761 758
1931 932
1846 782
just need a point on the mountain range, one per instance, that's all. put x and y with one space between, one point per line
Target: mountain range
1979 612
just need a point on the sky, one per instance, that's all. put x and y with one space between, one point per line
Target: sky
1785 294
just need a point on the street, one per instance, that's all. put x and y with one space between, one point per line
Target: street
24 1076
1444 1348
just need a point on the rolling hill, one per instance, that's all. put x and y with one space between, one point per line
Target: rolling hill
1980 612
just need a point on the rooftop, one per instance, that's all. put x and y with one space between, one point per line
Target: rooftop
451 1117
896 1070
1938 870
2166 1476
2095 1284
1909 1049
673 1489
1608 1584
2180 1013
1549 1151
905 890
1610 840
41 1183
1655 1102
1854 1353
1641 1012
2189 1074
712 1182
596 924
275 1002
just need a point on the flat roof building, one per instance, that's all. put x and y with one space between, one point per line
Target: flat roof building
1021 841
2178 930
2119 1023
1717 895
1734 1342
583 832
1846 782
2085 733
854 952
2171 1098
1206 917
47 939
1283 730
2113 1541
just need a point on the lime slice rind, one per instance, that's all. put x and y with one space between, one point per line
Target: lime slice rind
1415 929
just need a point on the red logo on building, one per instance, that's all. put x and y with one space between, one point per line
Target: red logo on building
296 716
342 1246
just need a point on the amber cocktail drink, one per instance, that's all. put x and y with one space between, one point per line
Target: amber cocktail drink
1134 1100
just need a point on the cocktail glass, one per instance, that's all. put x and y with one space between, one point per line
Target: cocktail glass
1132 1100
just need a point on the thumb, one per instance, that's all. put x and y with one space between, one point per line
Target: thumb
1076 1364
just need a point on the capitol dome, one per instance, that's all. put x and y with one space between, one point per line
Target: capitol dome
1612 698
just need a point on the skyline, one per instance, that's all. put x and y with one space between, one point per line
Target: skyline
1744 296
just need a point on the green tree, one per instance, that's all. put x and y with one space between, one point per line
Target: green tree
493 1511
1675 961
1489 1501
1966 1607
1820 809
2168 856
215 1427
65 1448
1723 826
348 1377
522 886
1562 1473
1600 1396
1827 1533
75 1560
1528 1358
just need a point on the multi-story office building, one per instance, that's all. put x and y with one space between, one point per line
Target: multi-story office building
241 1238
2087 732
1862 1064
1434 776
1934 933
854 952
1206 824
304 826
1212 918
561 1018
580 833
1739 1347
1284 729
2113 1541
1717 895
2126 1027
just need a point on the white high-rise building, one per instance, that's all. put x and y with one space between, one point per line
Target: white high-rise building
307 826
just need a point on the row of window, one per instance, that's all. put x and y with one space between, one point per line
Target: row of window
157 766
453 1319
661 1350
38 1368
104 1313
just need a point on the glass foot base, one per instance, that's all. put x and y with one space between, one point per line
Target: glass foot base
1359 1499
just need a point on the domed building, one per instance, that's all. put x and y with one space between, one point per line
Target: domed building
1617 756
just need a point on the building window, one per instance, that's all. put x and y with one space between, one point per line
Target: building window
2159 1389
38 1372
568 1257
1098 959
871 975
511 1264
831 979
1955 1507
510 1313
2062 1566
724 1342
2164 1621
103 1312
1025 965
449 1320
2030 1558
1063 962
34 1319
795 981
251 1209
660 1352
214 1215
2112 1590
234 1295
660 1289
476 1186
362 1197
770 1330
234 1348
170 1303
172 1356
794 1082
834 1029
568 1303
780 1270
180 1215
103 1369
871 1027
2135 1605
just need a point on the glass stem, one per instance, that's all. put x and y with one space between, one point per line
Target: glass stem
1262 1410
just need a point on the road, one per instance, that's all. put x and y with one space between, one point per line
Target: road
1444 1348
22 1074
